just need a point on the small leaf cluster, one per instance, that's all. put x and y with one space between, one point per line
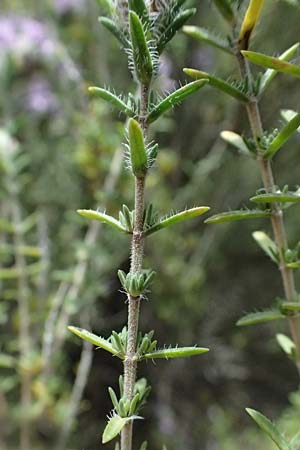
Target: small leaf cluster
123 406
149 28
136 284
292 257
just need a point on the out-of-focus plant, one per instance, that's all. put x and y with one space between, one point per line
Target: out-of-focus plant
34 121
143 29
263 145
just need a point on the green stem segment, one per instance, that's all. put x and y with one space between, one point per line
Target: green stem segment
137 252
278 226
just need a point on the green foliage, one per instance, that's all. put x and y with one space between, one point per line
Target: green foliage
141 57
276 197
95 340
266 244
241 214
176 218
269 428
138 153
207 36
218 83
102 217
272 63
177 352
269 74
114 427
260 317
124 106
136 284
282 137
238 142
225 8
173 99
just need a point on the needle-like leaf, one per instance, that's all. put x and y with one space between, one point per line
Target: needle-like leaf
101 217
218 83
272 63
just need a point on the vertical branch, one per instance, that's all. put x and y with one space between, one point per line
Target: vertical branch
76 395
137 252
278 226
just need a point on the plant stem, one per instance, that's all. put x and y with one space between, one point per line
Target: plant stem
278 226
24 331
137 252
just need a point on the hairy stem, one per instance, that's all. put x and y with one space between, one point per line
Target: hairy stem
278 226
137 252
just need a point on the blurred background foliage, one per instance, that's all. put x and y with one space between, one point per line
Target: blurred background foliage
61 151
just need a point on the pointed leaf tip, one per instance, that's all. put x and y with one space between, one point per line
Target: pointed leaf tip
176 218
269 428
272 63
217 83
101 217
95 340
177 352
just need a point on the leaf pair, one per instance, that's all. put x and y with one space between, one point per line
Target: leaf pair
125 224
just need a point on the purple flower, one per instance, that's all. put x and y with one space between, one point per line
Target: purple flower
28 40
40 98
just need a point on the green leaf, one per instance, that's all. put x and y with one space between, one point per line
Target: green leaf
286 344
181 18
101 217
260 317
94 339
144 445
114 427
178 352
111 26
143 66
174 98
236 141
210 38
7 361
269 428
138 154
289 114
272 63
242 214
140 8
266 244
112 99
280 197
250 20
271 73
289 306
176 218
114 399
283 137
218 83
225 8
295 441
294 265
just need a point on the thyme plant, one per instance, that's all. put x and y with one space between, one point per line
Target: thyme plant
143 29
263 145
